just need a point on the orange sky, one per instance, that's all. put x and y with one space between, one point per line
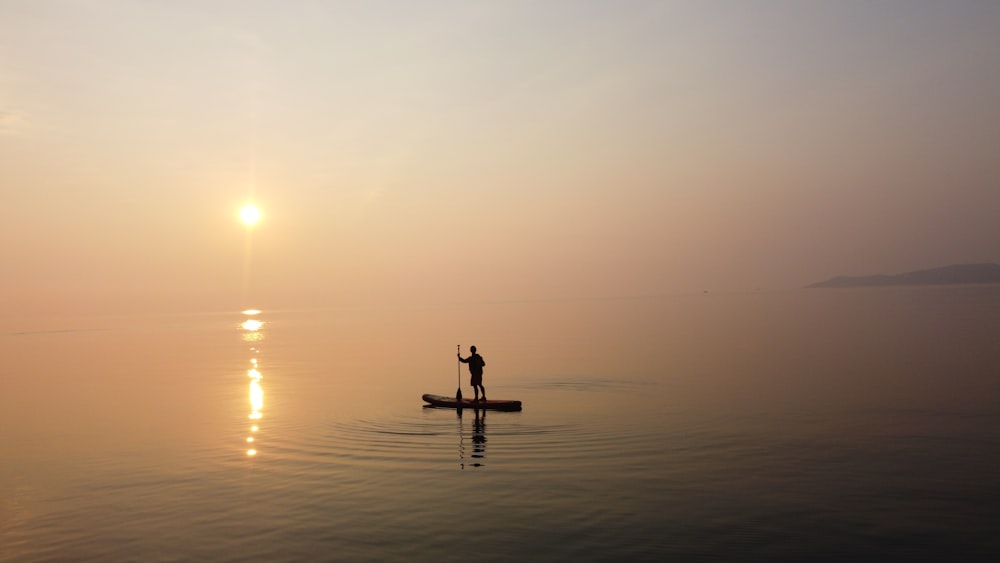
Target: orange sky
431 152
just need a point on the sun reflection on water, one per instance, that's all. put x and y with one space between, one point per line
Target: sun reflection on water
253 333
256 400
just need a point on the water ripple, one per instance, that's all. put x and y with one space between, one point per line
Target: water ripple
440 438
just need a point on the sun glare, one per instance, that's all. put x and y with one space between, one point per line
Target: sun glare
249 215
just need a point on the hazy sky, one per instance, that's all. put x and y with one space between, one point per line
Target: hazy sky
427 151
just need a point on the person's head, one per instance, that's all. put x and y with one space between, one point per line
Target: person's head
473 349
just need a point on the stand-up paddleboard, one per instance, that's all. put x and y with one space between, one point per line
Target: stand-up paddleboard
467 403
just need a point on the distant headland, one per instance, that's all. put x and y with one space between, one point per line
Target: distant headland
947 275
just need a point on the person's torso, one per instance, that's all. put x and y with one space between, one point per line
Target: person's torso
476 363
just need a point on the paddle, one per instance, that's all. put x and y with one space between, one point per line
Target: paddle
458 394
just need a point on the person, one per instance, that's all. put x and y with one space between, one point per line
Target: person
476 364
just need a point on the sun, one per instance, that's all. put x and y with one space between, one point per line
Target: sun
249 215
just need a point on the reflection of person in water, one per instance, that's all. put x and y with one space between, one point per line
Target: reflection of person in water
479 436
476 365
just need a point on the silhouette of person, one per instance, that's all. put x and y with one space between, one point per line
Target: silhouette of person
476 364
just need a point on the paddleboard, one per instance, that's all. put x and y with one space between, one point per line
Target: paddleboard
467 403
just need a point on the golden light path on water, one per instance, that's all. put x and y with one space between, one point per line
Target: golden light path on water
252 334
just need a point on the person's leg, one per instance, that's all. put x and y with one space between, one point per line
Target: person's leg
484 391
477 383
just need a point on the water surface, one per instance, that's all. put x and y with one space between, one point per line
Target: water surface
802 425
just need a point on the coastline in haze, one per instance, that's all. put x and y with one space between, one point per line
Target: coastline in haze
947 275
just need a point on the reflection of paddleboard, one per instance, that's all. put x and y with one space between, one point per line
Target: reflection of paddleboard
466 403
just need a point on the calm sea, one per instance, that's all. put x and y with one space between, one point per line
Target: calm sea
813 425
